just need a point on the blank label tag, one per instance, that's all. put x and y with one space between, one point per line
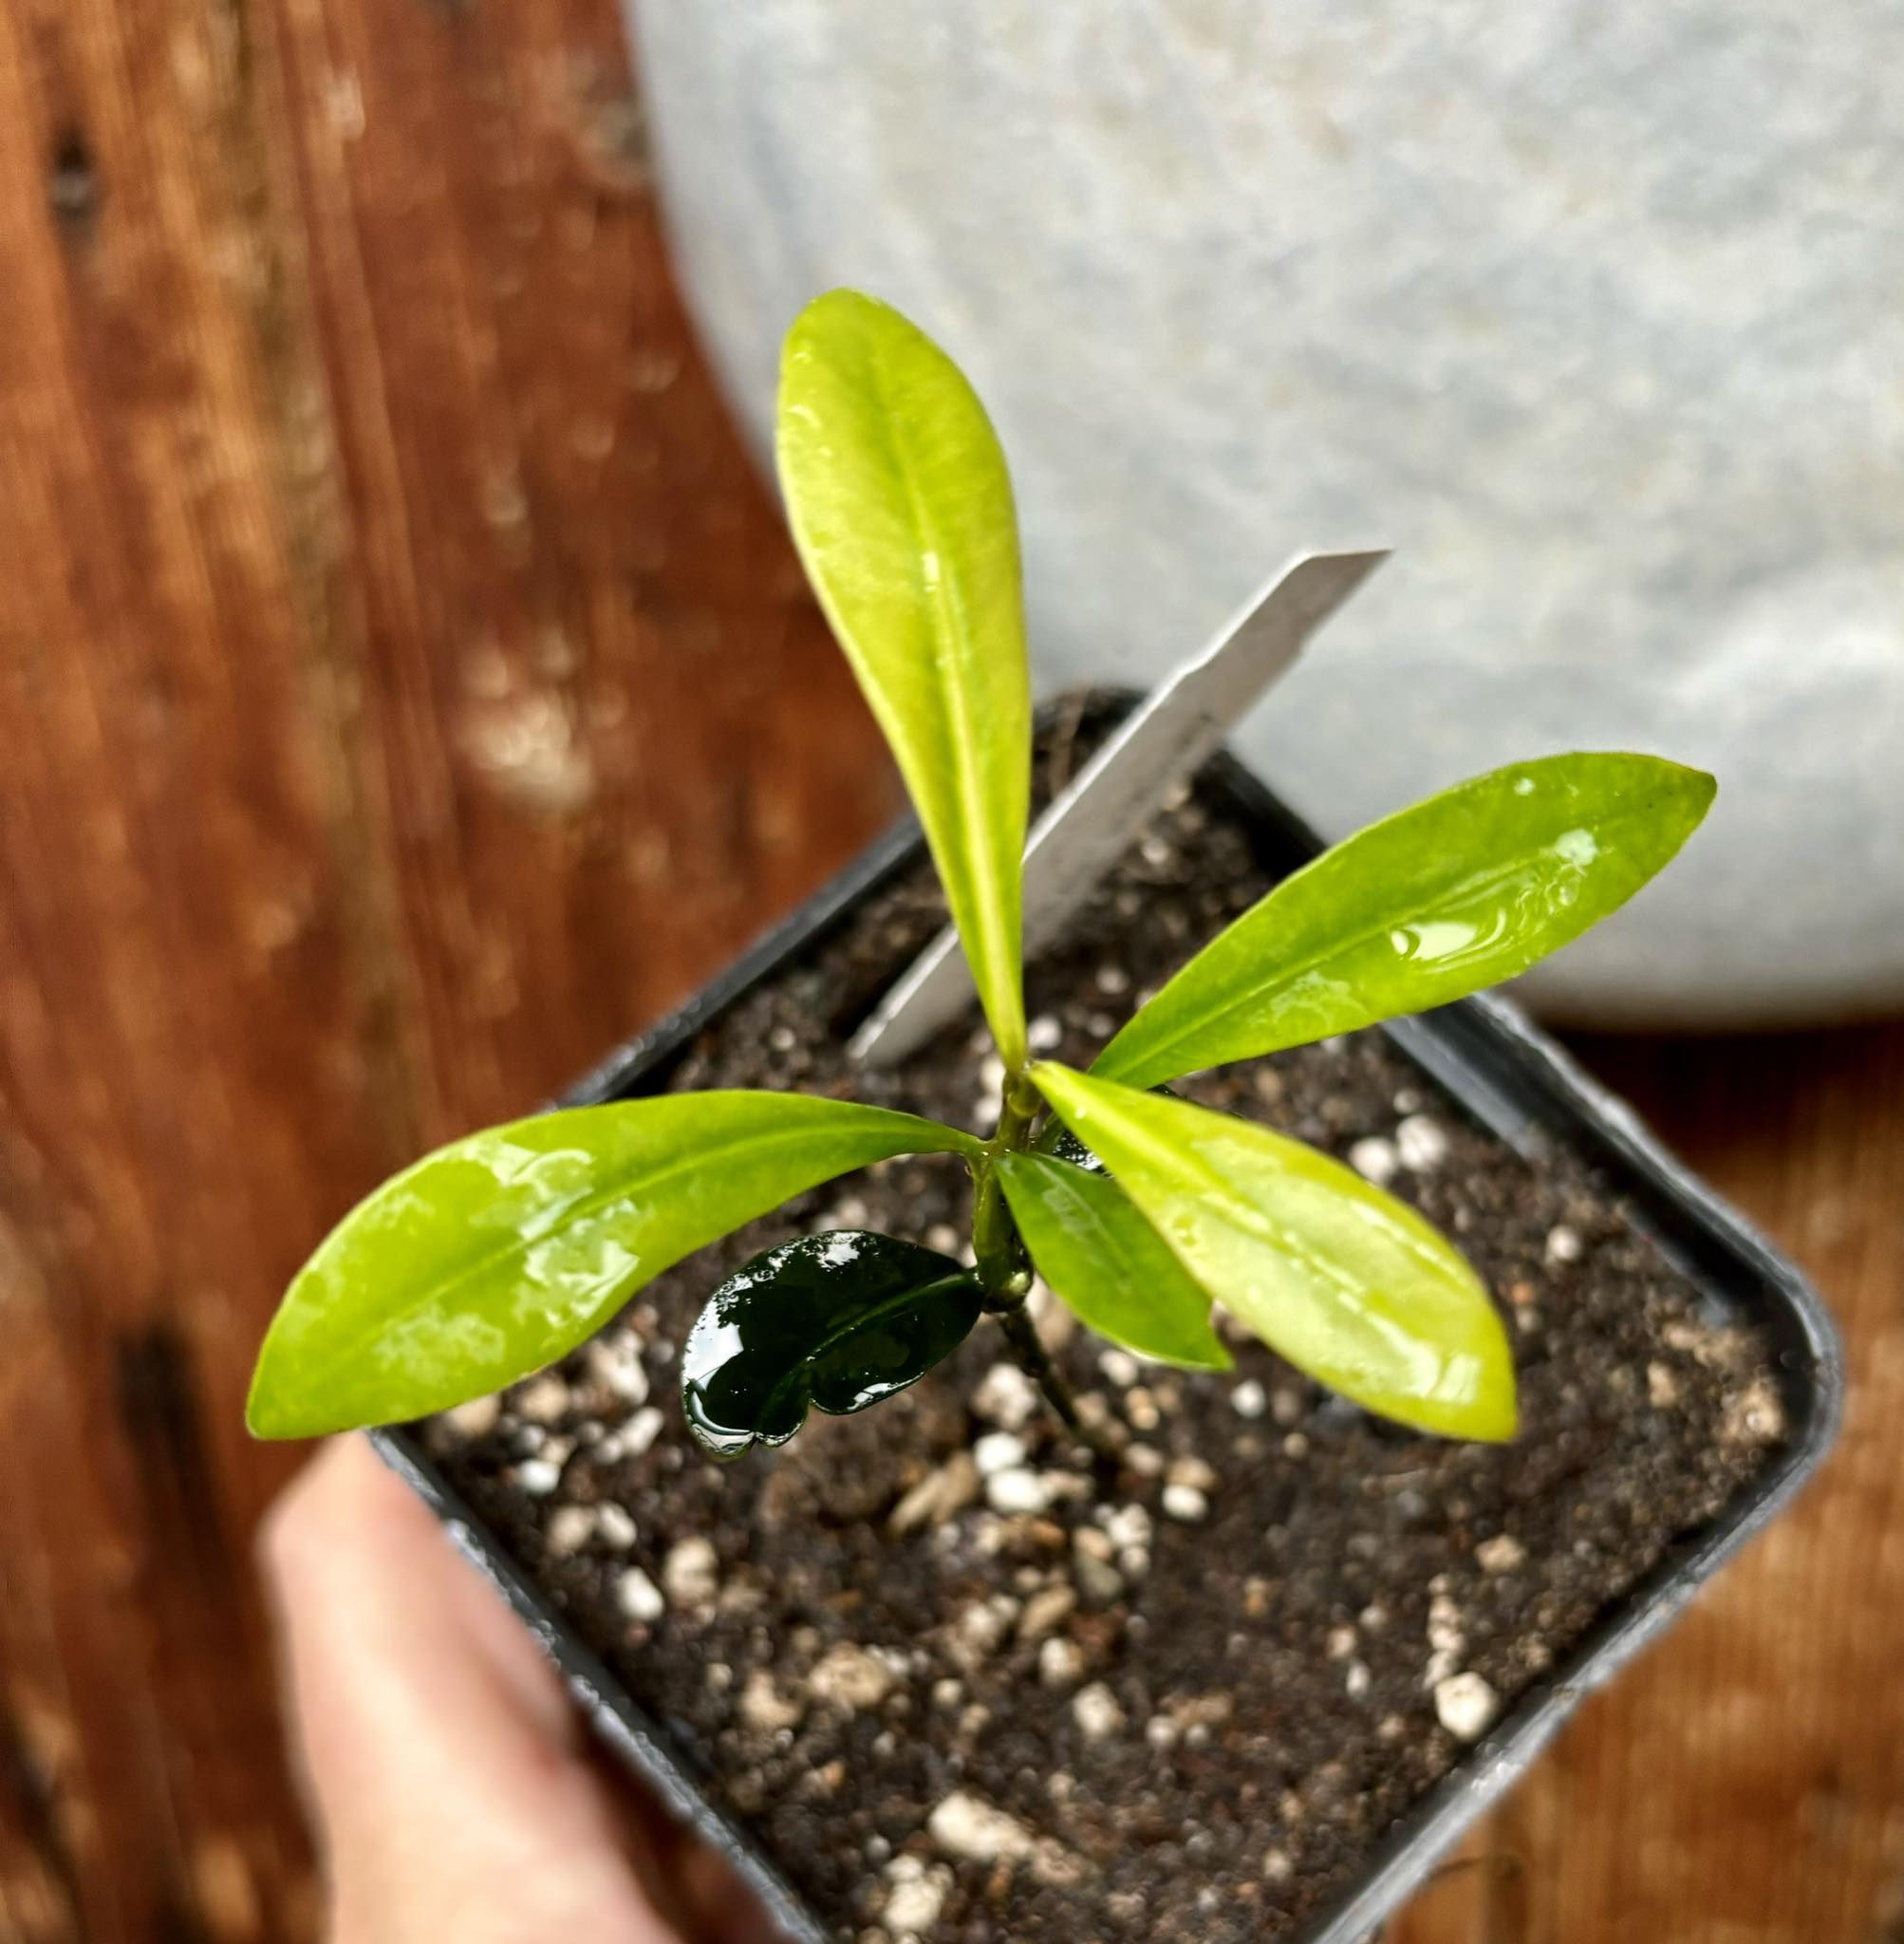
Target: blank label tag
1091 825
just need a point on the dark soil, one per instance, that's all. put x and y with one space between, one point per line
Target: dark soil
1048 1708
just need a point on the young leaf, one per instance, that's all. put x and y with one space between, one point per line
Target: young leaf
902 510
840 1319
1108 1264
1459 892
498 1254
1347 1283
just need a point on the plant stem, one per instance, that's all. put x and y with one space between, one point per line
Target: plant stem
1035 1359
1004 1271
996 1251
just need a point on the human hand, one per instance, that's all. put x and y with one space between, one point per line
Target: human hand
451 1791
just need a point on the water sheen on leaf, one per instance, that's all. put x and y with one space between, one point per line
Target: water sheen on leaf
1347 1283
840 1319
1456 893
1099 1254
502 1251
901 508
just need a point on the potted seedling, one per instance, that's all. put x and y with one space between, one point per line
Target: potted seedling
1223 1533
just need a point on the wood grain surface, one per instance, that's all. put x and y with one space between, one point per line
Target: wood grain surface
405 691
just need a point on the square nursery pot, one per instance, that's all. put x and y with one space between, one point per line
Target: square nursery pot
1053 1708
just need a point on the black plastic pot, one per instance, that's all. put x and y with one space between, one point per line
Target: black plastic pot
1528 1091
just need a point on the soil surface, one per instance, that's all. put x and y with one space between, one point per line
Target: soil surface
966 1687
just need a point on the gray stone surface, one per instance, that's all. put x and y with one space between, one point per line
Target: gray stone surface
1593 311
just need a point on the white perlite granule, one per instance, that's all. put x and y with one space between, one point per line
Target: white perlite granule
1500 1554
966 1825
1563 1243
570 1528
639 1597
998 1451
852 1679
1466 1706
691 1572
915 1896
613 1527
1374 1160
1006 1397
1421 1143
1097 1711
476 1418
1185 1504
1060 1661
1018 1490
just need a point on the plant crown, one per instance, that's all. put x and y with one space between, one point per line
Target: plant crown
500 1253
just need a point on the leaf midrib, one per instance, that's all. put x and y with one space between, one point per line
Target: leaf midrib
949 620
901 1300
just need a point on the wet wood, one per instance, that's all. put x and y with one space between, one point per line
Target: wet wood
405 692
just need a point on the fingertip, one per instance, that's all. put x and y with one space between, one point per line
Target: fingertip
345 1491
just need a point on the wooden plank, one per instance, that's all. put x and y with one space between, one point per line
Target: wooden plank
172 950
607 735
1743 1784
405 692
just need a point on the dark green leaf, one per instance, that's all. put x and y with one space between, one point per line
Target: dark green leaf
840 1321
1062 1144
1347 1283
902 509
1097 1251
1456 893
498 1254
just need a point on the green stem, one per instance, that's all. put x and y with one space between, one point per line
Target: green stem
1004 1269
996 1248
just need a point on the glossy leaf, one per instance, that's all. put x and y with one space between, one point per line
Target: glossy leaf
498 1254
1100 1255
1058 1139
1459 892
1350 1284
840 1321
902 509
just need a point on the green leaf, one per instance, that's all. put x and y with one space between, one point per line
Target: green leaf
1459 892
501 1252
840 1319
1348 1284
902 509
1108 1264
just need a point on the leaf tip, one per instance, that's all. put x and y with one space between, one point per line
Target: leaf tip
1680 790
1497 1425
1491 1414
842 308
843 299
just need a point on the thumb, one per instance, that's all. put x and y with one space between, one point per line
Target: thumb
438 1751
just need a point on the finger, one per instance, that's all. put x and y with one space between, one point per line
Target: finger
436 1743
699 1888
